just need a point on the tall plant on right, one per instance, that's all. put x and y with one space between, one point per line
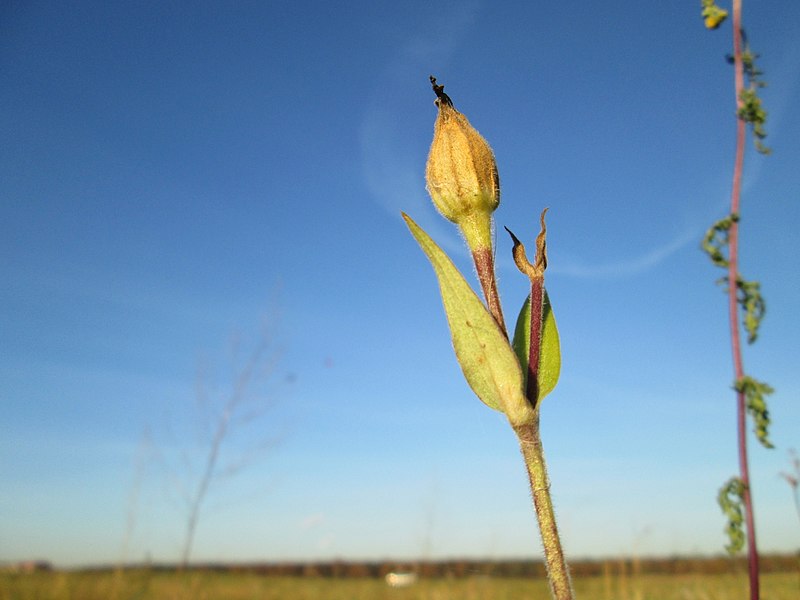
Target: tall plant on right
745 302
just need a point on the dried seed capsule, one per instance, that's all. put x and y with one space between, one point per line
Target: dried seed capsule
461 173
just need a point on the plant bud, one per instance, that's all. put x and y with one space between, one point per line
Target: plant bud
461 174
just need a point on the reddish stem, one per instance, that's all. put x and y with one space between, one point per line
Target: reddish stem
733 306
484 265
537 310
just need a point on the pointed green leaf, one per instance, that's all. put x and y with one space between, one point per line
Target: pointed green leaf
550 353
486 358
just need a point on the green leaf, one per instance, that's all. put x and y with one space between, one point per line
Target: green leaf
731 501
550 352
715 242
752 302
754 392
486 358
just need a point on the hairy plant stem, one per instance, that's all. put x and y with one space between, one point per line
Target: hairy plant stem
530 444
484 265
535 347
733 306
530 441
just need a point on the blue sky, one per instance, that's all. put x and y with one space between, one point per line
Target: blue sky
173 175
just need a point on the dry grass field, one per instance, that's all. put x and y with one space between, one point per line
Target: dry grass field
144 585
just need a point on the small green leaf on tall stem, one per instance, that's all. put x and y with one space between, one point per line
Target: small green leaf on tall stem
753 305
730 500
715 241
754 392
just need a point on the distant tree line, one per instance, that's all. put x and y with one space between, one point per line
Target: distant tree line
461 568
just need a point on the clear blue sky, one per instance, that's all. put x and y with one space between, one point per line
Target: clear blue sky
171 174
